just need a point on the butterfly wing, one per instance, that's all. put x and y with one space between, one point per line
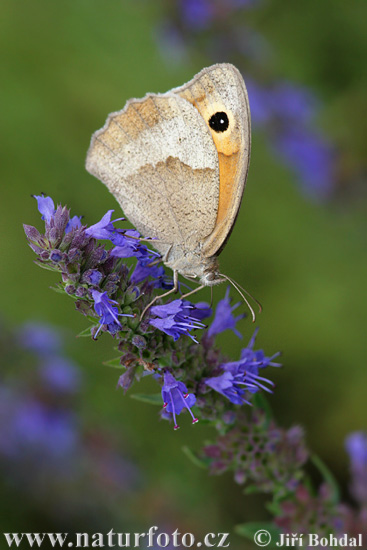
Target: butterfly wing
219 95
158 159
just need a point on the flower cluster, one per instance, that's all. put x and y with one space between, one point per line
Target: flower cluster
239 377
260 454
193 377
322 512
114 295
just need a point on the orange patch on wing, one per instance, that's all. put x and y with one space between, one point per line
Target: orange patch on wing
227 171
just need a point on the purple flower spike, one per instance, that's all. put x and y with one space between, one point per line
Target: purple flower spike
107 312
176 318
46 207
224 319
176 397
243 375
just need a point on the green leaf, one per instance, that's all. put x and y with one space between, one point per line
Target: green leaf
152 398
274 507
114 363
261 529
328 476
58 289
47 266
84 333
251 490
200 462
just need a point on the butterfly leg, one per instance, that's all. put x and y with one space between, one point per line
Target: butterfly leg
174 289
192 291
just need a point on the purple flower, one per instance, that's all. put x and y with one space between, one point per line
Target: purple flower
201 311
73 223
57 222
127 244
56 256
107 312
144 269
224 319
176 397
176 318
46 207
242 376
104 229
226 385
92 277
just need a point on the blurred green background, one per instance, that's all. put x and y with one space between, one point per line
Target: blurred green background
65 66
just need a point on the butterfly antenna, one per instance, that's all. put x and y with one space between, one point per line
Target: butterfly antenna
250 295
238 288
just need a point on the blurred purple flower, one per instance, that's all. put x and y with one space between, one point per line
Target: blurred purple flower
224 319
311 157
176 397
39 338
292 103
196 14
286 111
176 318
36 428
60 375
356 446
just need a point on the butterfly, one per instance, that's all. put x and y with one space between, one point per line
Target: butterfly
177 164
